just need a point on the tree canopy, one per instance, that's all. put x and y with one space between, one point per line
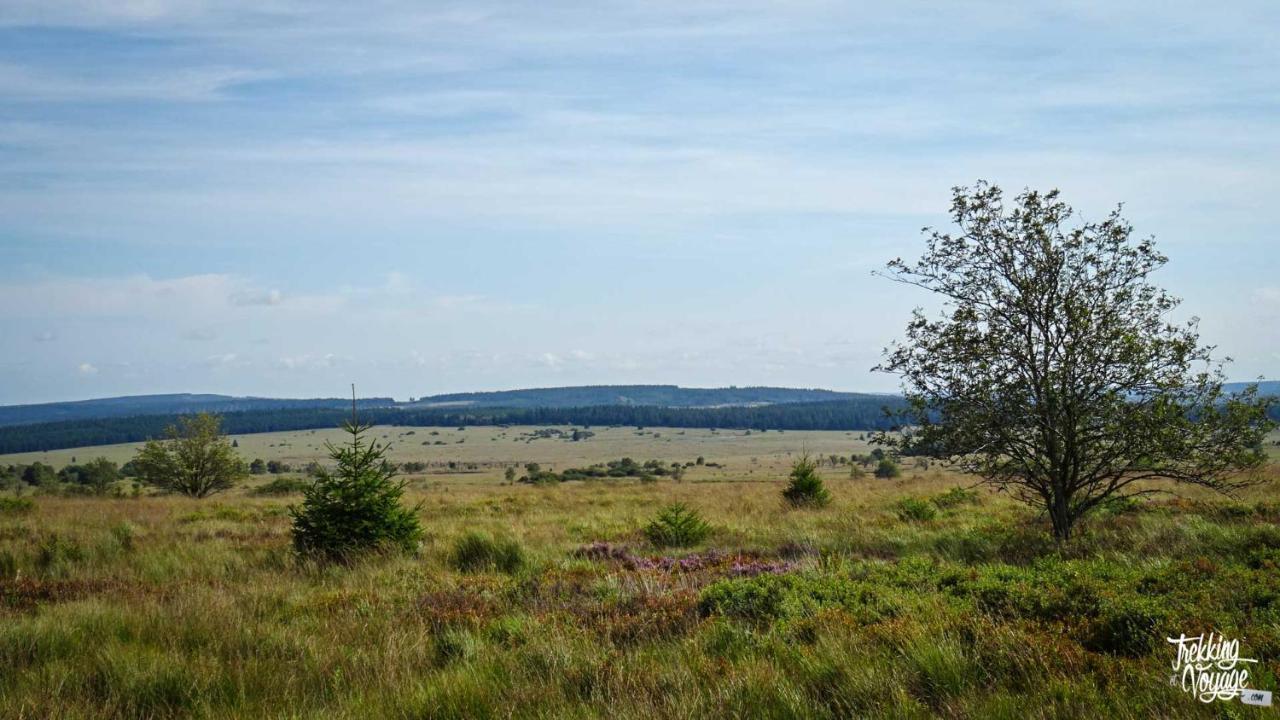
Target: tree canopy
1055 370
196 459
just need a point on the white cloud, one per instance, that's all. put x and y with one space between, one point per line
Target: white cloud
308 362
87 370
226 360
246 298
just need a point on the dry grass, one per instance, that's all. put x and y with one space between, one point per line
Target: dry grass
168 607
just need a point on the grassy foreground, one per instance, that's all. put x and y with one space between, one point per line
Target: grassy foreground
904 598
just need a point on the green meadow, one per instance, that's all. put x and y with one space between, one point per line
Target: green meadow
915 597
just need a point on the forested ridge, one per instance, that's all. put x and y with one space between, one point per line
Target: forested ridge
865 413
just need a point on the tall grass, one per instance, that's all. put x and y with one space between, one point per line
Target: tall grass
166 607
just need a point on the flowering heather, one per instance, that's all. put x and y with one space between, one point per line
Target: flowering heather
761 567
749 563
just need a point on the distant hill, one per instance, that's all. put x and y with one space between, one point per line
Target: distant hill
1265 387
562 397
174 404
49 426
671 396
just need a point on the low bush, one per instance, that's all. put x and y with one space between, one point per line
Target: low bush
16 505
887 469
56 552
478 552
1131 626
954 497
791 596
910 509
282 486
677 525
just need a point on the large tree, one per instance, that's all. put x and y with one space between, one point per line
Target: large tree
1055 371
196 459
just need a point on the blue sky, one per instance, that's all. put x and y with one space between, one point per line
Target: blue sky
280 198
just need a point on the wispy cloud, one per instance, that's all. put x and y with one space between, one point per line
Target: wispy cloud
456 194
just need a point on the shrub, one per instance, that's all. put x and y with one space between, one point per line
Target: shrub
16 506
355 508
55 552
916 509
806 488
477 552
283 486
677 525
955 496
887 469
1128 626
789 596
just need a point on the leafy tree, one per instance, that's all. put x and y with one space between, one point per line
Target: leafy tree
99 475
38 473
509 474
1054 372
806 488
195 460
356 507
257 467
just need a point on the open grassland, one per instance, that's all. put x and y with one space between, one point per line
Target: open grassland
903 598
482 453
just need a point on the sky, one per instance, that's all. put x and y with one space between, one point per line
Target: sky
280 198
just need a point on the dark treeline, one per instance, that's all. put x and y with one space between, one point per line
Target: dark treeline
861 414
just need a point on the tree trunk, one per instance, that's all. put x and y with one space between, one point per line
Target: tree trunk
1061 517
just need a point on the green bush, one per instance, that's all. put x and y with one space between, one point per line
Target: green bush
789 596
477 552
56 552
887 469
1130 626
806 488
16 506
282 486
916 509
677 526
955 496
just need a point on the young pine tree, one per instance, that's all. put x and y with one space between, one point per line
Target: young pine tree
355 508
806 488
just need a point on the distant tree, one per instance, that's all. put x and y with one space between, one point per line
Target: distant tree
357 507
38 473
509 474
196 459
235 443
99 475
533 469
257 467
1055 372
275 467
